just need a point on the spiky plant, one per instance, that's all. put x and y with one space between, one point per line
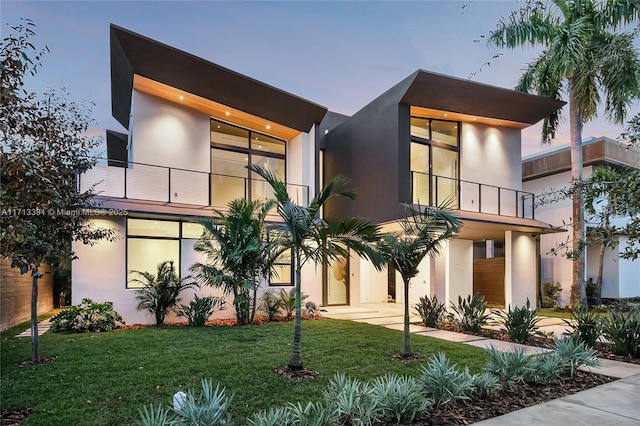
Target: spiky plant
160 293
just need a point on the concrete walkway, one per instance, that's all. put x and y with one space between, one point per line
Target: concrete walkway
615 403
43 327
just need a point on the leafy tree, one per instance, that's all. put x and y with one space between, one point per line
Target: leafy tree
160 293
422 234
631 134
43 148
586 57
239 254
610 194
312 239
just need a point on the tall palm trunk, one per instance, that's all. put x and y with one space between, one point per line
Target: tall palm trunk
406 344
598 295
578 287
295 362
35 339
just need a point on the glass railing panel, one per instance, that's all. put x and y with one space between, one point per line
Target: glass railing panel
421 188
445 192
225 189
469 196
148 183
508 200
299 194
189 187
109 181
489 199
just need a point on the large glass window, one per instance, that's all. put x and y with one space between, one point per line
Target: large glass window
232 149
150 242
434 161
282 274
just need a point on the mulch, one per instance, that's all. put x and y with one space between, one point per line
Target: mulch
292 374
14 417
602 350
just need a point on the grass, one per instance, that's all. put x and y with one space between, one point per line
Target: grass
103 378
549 312
17 329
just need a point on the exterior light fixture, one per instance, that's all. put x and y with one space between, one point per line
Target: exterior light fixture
181 97
227 113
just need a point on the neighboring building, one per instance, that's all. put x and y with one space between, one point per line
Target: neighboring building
551 169
193 126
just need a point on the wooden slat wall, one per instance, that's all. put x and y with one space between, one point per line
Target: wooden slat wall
15 294
488 279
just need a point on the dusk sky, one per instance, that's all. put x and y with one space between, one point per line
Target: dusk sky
338 54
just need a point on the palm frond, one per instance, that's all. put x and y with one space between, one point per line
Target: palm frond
279 188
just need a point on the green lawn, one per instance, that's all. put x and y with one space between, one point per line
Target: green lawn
103 378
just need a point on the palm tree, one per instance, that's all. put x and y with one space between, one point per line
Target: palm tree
312 239
160 292
238 253
422 233
586 58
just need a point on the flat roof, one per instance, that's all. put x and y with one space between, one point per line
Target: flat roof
446 93
595 151
134 54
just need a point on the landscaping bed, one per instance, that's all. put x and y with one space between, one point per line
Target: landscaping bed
602 350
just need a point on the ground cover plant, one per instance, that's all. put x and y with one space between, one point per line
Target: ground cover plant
87 316
104 378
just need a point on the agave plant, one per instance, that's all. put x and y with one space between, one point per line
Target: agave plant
160 293
520 323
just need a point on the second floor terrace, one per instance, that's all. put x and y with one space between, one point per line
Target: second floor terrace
133 181
171 186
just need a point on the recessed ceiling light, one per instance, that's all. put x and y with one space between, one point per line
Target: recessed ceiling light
445 115
268 127
218 127
226 113
181 97
474 119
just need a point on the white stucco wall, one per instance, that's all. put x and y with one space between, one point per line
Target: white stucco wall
167 134
373 283
620 277
459 269
301 161
629 274
520 269
491 155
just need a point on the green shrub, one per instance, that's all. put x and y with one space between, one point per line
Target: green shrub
399 398
160 293
550 294
270 304
546 367
442 382
87 317
430 310
351 401
520 324
622 330
311 308
278 416
155 416
585 326
574 354
287 301
484 384
510 367
312 414
470 312
199 309
209 409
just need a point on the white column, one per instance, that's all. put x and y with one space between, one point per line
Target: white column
520 269
458 269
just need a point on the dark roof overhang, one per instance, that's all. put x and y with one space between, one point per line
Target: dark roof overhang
132 53
445 93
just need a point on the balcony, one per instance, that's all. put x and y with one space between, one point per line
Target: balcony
139 181
471 196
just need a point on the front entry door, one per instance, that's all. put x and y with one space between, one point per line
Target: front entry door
336 282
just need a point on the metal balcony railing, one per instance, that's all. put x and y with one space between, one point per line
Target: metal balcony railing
149 182
471 196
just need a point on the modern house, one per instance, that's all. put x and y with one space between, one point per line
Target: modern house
550 170
193 126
